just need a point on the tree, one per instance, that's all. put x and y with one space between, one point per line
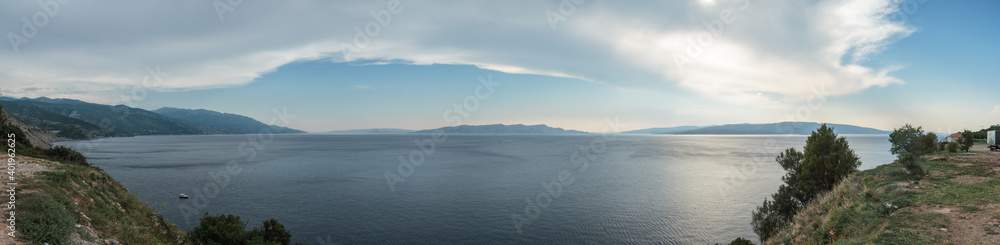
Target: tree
966 140
222 229
230 229
272 231
928 143
953 146
905 140
826 160
981 134
741 241
908 143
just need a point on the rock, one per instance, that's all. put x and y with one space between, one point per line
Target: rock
944 229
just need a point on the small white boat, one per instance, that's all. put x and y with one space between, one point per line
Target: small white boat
182 196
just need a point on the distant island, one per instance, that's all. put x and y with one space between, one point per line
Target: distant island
370 131
502 129
664 130
802 128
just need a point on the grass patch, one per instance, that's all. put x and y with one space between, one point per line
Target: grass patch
47 219
953 194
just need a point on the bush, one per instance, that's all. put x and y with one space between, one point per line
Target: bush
912 164
272 231
905 140
942 145
46 220
966 140
222 229
928 142
66 155
771 216
230 229
952 146
741 241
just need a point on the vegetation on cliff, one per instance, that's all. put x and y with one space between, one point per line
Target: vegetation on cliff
926 196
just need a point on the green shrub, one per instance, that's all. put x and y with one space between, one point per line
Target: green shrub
942 145
46 220
65 154
966 140
230 229
741 241
905 140
928 142
272 231
952 146
912 164
222 229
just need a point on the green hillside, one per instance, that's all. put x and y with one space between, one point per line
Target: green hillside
958 202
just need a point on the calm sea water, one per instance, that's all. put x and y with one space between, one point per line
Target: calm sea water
473 189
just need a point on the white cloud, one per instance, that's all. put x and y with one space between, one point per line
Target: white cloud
785 50
996 110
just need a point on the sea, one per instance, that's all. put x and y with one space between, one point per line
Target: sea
464 189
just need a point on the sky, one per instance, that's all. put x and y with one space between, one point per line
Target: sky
339 65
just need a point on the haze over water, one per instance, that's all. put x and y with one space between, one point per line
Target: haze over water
332 188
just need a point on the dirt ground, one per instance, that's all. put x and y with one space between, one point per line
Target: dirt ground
26 167
970 227
972 224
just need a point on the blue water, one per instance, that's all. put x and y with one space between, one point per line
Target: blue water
332 189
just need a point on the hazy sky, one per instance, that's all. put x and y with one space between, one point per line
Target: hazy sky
571 64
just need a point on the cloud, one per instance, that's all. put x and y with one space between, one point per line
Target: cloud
996 110
787 50
362 87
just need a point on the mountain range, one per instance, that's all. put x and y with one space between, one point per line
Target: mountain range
213 122
780 128
664 130
74 119
801 128
371 131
